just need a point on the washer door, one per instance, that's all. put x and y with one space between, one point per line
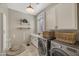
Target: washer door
58 52
41 47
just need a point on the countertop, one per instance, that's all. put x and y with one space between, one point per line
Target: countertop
37 36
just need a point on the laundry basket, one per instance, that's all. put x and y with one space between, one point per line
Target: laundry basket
68 37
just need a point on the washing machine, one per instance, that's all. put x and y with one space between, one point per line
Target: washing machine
58 49
44 47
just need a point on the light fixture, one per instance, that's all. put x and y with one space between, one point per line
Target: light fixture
30 9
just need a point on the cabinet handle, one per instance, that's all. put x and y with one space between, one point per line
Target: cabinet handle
75 24
56 27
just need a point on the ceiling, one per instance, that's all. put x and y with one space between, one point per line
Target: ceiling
22 6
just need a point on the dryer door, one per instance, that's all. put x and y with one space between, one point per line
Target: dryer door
42 47
58 52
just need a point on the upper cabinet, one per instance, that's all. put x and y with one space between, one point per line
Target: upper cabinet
61 16
50 18
66 16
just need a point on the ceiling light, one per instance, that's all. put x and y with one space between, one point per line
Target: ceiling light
30 9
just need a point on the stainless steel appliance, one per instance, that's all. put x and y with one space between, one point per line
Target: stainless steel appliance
44 47
58 49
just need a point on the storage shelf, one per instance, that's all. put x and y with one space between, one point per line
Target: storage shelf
23 27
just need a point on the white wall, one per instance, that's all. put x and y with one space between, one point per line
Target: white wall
16 35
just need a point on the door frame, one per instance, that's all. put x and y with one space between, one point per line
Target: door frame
4 31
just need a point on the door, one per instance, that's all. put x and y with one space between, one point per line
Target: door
1 33
66 16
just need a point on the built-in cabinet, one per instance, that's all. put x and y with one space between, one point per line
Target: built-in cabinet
66 16
34 41
61 16
50 18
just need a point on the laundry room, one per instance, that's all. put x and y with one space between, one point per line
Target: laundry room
39 29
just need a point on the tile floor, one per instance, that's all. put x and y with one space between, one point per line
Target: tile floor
29 51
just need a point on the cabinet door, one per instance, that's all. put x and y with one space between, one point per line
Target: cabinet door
50 19
66 16
34 41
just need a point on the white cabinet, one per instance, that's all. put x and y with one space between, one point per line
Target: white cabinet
34 41
66 16
50 18
61 16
